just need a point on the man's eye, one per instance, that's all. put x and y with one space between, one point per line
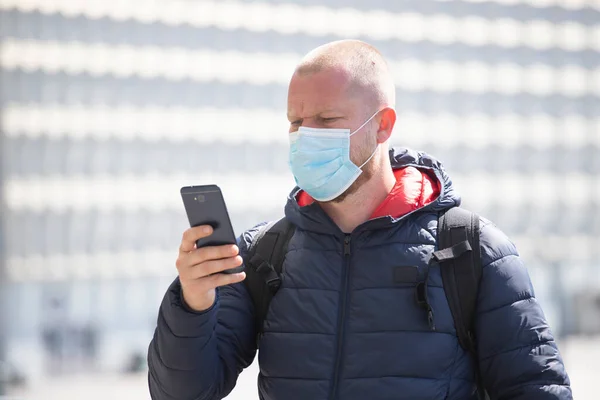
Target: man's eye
333 119
296 123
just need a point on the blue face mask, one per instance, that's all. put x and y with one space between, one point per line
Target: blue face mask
320 161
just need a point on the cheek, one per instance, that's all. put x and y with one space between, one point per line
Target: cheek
365 142
360 148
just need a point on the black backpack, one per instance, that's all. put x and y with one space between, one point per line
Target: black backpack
458 256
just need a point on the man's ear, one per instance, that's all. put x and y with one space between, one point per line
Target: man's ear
386 124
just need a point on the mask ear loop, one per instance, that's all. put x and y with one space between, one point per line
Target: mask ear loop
371 156
359 128
366 122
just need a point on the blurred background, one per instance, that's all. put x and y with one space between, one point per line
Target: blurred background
107 108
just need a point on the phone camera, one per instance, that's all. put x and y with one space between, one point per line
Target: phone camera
200 198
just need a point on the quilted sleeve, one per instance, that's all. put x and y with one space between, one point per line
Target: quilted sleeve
199 355
518 357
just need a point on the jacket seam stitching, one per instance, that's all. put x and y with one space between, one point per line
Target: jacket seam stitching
501 259
534 344
518 300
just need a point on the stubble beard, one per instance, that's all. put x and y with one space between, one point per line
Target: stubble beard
368 171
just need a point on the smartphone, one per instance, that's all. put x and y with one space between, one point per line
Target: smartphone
205 205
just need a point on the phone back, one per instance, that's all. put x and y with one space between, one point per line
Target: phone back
205 205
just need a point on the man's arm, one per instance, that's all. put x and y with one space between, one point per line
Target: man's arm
518 357
199 355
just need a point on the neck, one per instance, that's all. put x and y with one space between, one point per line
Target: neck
358 207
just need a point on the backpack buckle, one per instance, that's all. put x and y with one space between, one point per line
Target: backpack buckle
423 302
451 253
266 270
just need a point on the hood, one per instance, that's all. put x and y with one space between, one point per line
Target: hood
414 188
422 185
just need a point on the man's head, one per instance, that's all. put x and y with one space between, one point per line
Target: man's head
340 85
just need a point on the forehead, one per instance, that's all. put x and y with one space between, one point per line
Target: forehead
315 92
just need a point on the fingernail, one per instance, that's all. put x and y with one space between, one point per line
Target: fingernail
234 249
206 229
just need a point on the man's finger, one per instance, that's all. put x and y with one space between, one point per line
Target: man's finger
197 271
217 280
204 254
216 266
213 253
191 235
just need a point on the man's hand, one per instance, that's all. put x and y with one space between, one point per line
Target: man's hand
199 268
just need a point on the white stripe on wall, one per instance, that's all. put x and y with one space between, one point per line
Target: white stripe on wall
206 125
175 64
566 4
56 267
247 192
159 192
148 264
322 21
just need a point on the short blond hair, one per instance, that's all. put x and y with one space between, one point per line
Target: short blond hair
368 71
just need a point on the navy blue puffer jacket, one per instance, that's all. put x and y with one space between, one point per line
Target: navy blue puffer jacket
341 328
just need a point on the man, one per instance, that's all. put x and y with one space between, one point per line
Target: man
339 328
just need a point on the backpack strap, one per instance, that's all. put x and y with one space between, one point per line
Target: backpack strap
264 263
459 257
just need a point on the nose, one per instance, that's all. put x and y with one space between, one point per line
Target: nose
310 124
306 123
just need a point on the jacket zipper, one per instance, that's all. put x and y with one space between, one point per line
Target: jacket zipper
344 294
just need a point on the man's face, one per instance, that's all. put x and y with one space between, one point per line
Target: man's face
326 99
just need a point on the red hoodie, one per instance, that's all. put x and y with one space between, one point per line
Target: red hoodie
414 189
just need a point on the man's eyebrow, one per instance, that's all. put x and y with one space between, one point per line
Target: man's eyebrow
338 114
330 111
